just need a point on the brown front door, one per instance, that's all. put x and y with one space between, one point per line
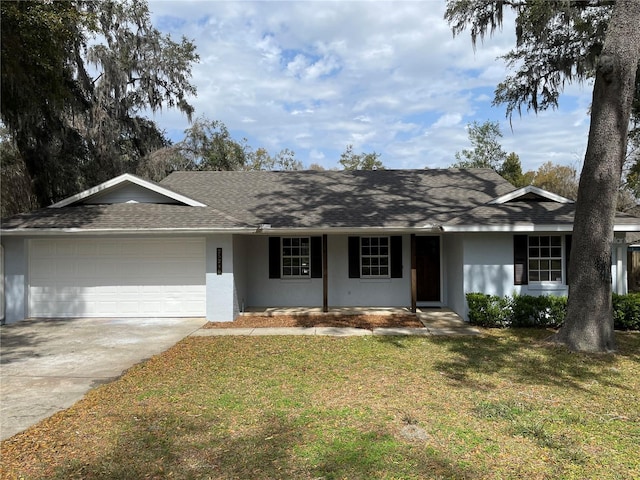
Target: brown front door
428 269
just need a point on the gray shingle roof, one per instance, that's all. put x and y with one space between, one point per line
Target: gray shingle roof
400 199
346 199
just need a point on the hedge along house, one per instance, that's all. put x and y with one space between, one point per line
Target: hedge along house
216 243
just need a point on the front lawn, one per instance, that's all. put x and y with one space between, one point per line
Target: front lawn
495 406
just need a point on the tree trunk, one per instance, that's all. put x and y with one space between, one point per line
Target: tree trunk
589 321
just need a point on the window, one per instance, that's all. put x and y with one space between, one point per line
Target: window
545 258
296 257
374 257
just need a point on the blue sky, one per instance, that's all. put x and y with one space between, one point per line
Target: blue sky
387 77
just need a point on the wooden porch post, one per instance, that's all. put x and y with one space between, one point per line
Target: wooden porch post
414 282
325 276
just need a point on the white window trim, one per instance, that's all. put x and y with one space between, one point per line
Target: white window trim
563 259
376 277
283 256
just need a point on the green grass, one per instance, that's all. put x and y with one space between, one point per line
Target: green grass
502 405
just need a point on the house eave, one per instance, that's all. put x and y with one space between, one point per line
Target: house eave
529 228
33 232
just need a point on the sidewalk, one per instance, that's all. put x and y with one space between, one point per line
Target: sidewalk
436 322
337 331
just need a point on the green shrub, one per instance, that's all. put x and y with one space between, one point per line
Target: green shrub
489 310
626 311
542 311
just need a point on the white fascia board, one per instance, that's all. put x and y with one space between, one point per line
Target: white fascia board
30 232
626 228
124 178
343 231
507 228
526 190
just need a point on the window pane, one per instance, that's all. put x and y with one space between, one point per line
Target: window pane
545 252
375 251
544 264
534 241
556 264
534 252
366 271
286 271
544 276
556 252
556 241
544 241
366 251
384 271
534 264
556 275
384 241
365 241
534 276
366 261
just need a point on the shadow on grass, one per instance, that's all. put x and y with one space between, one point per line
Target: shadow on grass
275 446
523 356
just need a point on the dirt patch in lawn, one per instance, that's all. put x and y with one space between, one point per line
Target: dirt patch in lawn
353 321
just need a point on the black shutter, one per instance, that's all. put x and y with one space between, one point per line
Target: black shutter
274 257
396 256
567 248
354 257
316 257
520 260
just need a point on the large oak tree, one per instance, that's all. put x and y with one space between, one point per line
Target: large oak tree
77 79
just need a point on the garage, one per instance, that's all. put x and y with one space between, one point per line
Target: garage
117 277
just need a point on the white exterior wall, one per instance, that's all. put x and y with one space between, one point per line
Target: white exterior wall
263 291
342 292
15 279
454 273
488 264
363 292
128 193
619 266
221 293
240 273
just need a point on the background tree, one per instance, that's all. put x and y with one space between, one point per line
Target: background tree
208 145
557 42
283 160
486 152
75 78
511 170
559 179
363 161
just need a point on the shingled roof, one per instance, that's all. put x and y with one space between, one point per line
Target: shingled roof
449 199
343 199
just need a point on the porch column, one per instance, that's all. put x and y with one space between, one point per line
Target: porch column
325 276
414 281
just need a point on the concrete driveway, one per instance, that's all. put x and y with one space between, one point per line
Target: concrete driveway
48 365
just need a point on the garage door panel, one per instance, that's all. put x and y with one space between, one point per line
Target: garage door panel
117 277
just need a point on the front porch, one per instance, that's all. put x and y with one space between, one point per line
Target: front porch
429 317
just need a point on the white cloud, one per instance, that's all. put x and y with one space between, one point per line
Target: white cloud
383 76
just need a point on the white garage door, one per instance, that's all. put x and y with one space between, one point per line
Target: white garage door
117 277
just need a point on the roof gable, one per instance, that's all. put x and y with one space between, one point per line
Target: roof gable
128 188
529 194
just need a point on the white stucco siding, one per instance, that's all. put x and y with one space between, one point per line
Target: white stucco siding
488 264
240 273
454 273
15 279
362 292
263 291
220 289
128 193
